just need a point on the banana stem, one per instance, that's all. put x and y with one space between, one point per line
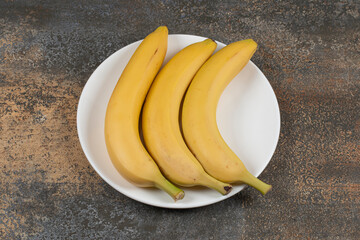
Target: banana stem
175 192
254 182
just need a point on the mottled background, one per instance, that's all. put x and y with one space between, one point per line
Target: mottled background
310 52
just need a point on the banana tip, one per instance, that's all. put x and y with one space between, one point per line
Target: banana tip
179 196
162 28
251 42
227 189
267 190
209 40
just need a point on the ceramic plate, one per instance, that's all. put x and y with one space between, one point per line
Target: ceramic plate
247 115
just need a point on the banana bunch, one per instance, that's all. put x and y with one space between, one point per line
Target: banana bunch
182 144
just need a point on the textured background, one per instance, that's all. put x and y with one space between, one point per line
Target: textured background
310 52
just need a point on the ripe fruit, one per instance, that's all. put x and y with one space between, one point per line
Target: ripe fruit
160 119
199 115
122 137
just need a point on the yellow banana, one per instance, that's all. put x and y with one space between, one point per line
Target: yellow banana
160 119
123 143
199 115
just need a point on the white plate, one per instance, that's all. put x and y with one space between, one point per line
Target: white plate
248 117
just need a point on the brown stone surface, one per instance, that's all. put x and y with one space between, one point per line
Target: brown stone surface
310 52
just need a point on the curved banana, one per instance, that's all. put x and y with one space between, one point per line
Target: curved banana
160 119
199 115
122 137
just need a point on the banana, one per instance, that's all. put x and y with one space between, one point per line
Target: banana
123 142
199 115
160 119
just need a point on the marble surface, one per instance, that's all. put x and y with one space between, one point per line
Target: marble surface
310 52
